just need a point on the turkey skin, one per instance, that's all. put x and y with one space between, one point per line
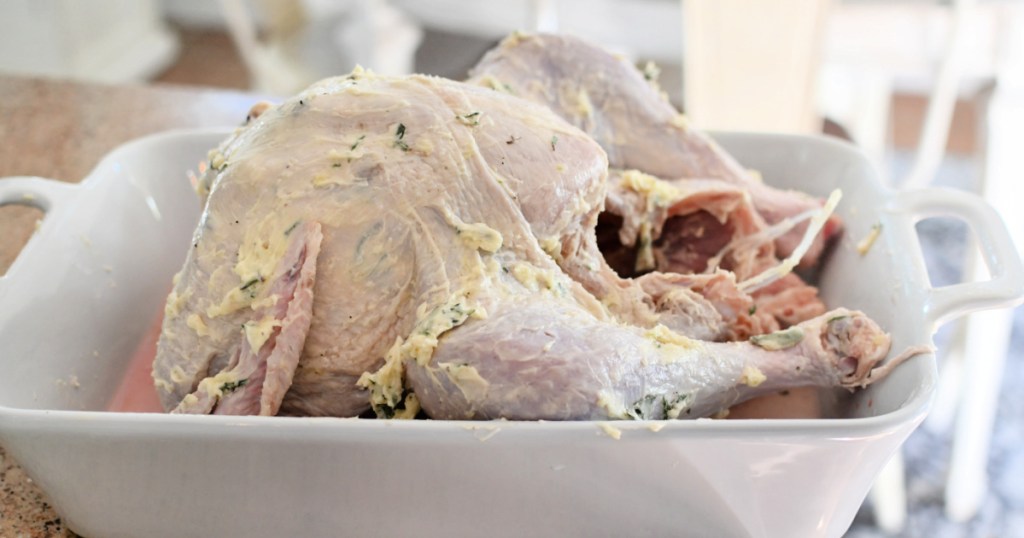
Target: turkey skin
417 245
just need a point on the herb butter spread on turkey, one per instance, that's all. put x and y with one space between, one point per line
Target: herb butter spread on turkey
414 244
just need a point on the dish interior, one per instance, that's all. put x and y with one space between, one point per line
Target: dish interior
80 300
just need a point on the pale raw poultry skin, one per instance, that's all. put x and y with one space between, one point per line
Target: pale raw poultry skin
399 243
667 177
628 116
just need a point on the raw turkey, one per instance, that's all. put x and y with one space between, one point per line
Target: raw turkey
679 202
418 245
623 109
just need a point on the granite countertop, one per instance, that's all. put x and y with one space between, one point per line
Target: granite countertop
60 130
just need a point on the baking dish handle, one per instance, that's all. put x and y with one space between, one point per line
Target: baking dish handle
51 196
1006 285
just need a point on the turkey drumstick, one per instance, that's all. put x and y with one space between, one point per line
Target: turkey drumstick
542 360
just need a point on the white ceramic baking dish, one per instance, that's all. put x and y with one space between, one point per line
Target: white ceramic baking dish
80 297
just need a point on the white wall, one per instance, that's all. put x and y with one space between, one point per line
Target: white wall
98 40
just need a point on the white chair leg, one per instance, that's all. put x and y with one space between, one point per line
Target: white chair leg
946 403
544 14
859 99
889 496
935 132
272 71
988 333
987 341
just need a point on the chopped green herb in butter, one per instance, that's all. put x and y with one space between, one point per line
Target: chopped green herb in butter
779 339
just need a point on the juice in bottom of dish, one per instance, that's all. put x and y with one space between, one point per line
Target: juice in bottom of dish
136 393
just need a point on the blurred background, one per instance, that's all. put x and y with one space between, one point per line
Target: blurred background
931 91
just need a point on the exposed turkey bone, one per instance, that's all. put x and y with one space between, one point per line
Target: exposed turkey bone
741 316
705 217
610 100
708 224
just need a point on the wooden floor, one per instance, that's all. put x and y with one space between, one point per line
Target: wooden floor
908 113
207 58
